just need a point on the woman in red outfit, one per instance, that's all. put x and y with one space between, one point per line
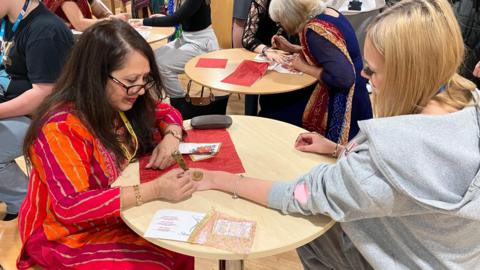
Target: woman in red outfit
102 114
81 14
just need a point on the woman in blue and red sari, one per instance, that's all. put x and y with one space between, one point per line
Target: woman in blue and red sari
330 52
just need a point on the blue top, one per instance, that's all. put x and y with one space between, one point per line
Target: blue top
338 75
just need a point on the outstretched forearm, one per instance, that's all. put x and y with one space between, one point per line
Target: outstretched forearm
252 189
27 102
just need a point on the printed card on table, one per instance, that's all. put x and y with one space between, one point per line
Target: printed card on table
272 65
225 232
144 34
199 151
212 229
173 224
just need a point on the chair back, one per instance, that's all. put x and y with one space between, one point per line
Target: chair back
140 5
222 16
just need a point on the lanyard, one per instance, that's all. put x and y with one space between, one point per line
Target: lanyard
14 27
132 133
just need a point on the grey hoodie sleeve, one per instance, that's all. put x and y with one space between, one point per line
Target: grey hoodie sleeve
351 189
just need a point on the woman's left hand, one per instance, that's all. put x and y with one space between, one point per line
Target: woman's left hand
313 142
162 154
121 16
298 63
136 23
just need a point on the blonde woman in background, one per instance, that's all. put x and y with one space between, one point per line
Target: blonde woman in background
405 190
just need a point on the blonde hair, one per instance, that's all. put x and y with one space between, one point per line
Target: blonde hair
421 44
293 14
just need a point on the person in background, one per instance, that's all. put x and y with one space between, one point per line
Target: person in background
468 16
240 13
405 191
476 71
35 44
260 29
257 37
81 14
97 120
330 52
197 38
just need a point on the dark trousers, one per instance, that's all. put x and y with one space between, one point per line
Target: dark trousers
286 107
332 251
188 110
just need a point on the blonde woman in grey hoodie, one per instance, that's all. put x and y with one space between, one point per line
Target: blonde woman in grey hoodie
406 190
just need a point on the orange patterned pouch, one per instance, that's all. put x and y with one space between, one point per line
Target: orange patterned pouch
224 232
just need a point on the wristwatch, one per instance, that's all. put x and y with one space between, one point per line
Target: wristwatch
174 133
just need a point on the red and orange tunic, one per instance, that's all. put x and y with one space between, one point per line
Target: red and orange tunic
56 7
70 218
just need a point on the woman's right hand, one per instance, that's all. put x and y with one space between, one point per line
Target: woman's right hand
281 43
121 16
314 143
174 186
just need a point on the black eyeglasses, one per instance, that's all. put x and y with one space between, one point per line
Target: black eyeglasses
134 89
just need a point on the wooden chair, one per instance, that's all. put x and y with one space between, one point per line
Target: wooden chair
123 3
222 15
140 8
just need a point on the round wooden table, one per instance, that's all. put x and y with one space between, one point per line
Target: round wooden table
271 83
155 34
158 33
265 147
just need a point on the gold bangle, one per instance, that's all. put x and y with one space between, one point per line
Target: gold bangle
138 196
235 195
177 136
335 153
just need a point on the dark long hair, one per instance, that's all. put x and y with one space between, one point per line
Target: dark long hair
100 50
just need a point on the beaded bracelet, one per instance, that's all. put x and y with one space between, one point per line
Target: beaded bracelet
235 195
138 196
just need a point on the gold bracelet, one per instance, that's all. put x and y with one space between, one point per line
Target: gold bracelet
235 195
138 196
335 153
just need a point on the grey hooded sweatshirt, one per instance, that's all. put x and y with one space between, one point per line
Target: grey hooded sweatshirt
406 191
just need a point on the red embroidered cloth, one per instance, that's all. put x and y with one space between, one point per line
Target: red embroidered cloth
211 63
226 159
247 73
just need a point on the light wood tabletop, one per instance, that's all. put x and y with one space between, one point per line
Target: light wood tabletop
157 34
265 147
154 34
271 83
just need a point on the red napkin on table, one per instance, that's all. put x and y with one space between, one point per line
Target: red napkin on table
211 63
226 159
247 73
